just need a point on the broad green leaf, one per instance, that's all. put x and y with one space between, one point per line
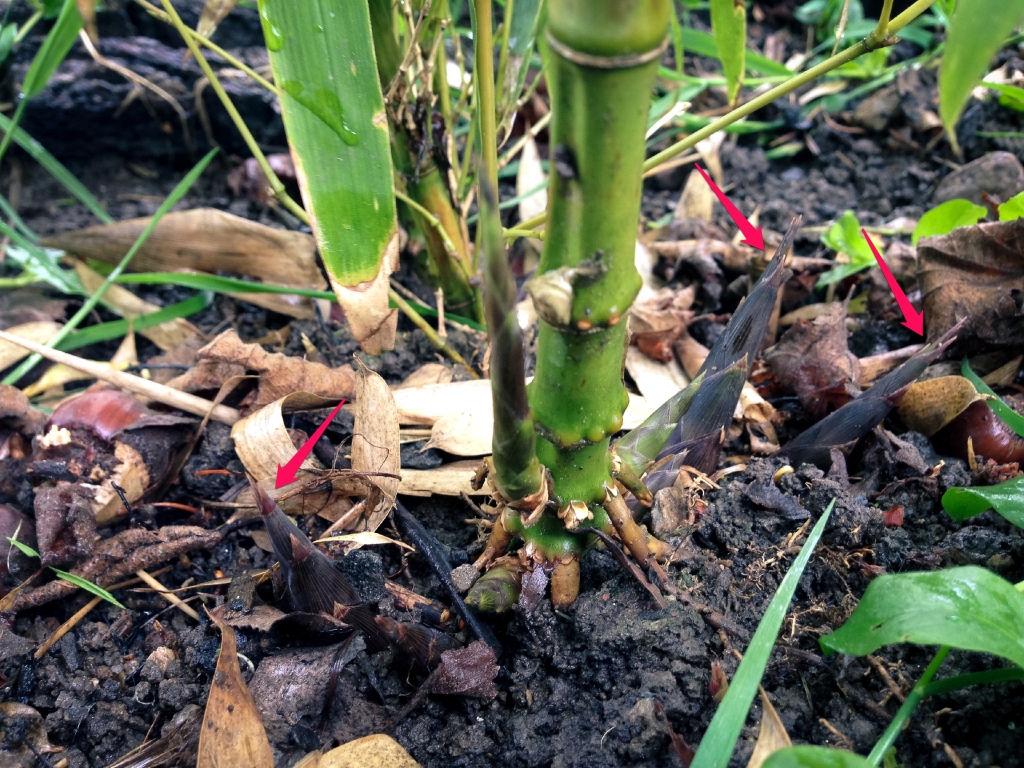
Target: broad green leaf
53 50
56 169
720 739
1012 419
321 53
968 608
944 218
88 586
977 30
815 757
1006 498
845 237
729 22
1012 209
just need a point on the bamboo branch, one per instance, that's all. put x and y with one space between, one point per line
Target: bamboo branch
159 392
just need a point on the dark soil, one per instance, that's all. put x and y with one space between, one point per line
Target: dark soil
576 688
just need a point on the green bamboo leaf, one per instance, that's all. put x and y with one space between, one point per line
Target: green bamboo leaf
944 218
977 30
55 168
729 22
321 53
968 608
815 757
1006 498
522 33
720 739
1010 417
88 586
7 35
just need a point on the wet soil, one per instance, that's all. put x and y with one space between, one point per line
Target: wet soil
576 688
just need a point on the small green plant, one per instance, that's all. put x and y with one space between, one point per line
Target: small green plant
954 214
845 237
71 578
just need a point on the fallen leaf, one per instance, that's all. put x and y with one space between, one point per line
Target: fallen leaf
930 405
657 381
212 241
263 442
468 671
232 733
772 737
531 177
376 445
227 356
377 751
696 200
452 479
975 273
39 331
27 305
813 361
430 373
214 12
58 375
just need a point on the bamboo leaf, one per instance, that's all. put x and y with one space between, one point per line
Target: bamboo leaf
967 607
720 739
977 30
321 53
115 329
729 22
815 757
522 33
703 44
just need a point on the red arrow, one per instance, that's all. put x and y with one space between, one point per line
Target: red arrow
914 319
754 236
287 473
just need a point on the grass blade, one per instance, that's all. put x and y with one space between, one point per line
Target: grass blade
88 586
321 53
717 745
729 21
115 329
177 193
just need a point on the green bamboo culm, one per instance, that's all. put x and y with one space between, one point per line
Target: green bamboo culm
601 58
518 474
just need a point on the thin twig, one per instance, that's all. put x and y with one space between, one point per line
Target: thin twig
168 596
441 345
151 389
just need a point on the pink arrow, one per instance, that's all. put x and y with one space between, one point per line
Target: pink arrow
914 319
288 473
753 235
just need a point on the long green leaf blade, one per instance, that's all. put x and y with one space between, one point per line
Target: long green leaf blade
968 608
88 586
321 53
53 50
720 739
815 757
729 21
976 32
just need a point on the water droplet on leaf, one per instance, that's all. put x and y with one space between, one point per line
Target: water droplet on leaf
324 104
273 36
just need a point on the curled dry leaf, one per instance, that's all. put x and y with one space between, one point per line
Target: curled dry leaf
227 356
812 360
232 733
657 321
262 441
976 273
772 736
376 443
39 331
366 306
657 381
930 405
452 479
209 240
377 751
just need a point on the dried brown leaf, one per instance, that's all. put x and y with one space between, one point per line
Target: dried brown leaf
376 442
812 360
232 733
930 405
27 305
367 307
772 736
227 356
39 331
262 441
209 240
377 751
214 12
975 273
17 412
468 671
